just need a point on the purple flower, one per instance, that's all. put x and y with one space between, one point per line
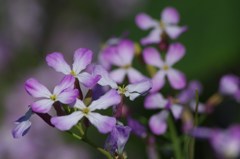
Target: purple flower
167 25
137 128
23 125
121 55
104 124
117 139
132 90
82 58
230 85
176 78
63 93
157 122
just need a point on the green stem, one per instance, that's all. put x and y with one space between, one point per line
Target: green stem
175 139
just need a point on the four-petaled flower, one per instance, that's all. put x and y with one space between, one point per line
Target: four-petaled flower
176 78
63 93
82 58
167 25
104 124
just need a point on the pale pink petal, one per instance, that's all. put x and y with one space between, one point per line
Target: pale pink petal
67 82
66 122
56 61
82 58
42 106
109 99
176 110
88 80
170 15
154 101
36 89
114 57
134 75
104 124
176 78
144 21
118 75
152 57
174 31
153 37
137 89
105 80
158 123
158 81
79 104
68 96
175 53
126 50
229 84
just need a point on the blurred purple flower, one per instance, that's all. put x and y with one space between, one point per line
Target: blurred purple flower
117 139
82 58
104 124
137 128
121 55
63 92
176 78
167 25
157 122
132 90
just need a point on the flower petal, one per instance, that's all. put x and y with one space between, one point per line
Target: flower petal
229 84
21 129
68 96
126 49
67 82
154 101
67 122
175 53
82 58
176 79
134 75
174 31
157 123
153 37
145 22
88 80
118 75
79 104
42 106
56 61
170 15
109 99
152 57
158 81
176 110
137 89
36 89
104 124
105 78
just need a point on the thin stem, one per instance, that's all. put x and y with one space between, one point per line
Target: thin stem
175 139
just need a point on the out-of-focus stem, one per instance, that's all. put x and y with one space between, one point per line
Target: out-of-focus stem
175 139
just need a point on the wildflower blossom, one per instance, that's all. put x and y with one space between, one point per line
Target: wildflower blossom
121 55
117 139
82 58
167 25
23 125
157 122
63 93
137 128
176 78
104 124
132 90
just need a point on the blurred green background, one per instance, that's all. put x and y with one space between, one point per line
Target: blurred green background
30 29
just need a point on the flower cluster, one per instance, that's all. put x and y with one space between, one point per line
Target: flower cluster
128 69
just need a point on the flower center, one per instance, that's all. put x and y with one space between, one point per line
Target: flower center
85 111
162 25
126 67
53 97
73 73
165 67
122 90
